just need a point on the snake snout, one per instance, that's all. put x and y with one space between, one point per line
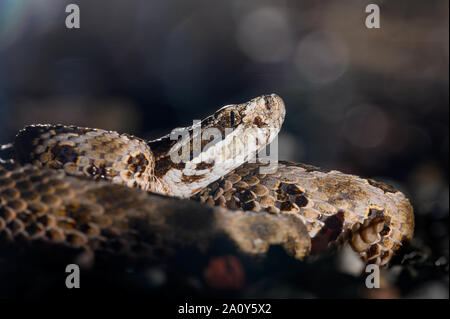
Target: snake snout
274 103
273 100
267 111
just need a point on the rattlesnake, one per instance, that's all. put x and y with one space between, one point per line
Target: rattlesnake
79 187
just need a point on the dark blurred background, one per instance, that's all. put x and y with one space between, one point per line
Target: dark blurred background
372 102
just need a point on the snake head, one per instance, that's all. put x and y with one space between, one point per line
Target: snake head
262 118
265 111
220 143
247 127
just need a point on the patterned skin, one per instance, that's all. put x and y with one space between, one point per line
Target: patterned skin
46 211
333 207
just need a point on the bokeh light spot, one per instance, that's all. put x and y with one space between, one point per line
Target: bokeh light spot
264 35
321 57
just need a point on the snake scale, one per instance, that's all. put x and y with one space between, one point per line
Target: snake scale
90 188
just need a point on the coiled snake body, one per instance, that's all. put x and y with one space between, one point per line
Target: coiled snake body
65 185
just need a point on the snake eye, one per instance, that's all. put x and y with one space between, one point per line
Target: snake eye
232 118
235 119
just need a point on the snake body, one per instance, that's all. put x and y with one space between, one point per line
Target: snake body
47 189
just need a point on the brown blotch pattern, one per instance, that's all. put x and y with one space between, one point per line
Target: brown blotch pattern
205 165
138 163
164 164
64 153
328 206
188 179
